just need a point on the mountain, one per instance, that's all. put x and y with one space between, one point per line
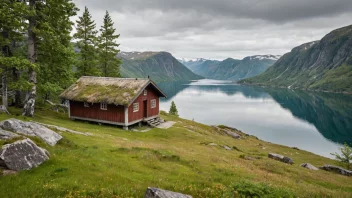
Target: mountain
233 69
324 65
191 64
160 66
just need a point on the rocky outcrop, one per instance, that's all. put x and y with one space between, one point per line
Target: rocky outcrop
280 158
309 166
31 129
232 134
227 148
6 135
337 169
22 155
160 193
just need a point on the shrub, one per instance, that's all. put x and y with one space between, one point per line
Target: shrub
248 189
173 109
346 155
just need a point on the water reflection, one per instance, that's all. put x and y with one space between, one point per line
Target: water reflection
318 122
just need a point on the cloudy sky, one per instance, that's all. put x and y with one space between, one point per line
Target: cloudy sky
218 29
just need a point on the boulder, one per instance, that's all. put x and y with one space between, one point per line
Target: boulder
212 144
232 134
227 148
31 129
48 135
280 158
16 126
309 166
337 169
23 155
6 135
160 193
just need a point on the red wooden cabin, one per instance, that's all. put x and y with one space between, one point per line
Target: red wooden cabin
117 101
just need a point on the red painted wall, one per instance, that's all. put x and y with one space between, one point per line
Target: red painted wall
151 94
113 113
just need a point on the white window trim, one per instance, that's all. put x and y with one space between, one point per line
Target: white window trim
145 92
153 103
135 107
103 106
86 104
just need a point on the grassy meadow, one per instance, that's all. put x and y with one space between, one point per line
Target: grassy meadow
117 163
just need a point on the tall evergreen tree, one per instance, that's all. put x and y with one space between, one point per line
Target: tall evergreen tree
48 45
55 51
108 61
12 27
86 36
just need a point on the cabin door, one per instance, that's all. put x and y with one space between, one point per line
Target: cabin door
145 108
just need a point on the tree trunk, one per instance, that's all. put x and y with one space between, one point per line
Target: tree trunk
28 109
4 88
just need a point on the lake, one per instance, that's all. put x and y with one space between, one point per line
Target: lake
313 121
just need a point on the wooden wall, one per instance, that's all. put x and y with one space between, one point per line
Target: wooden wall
113 113
151 94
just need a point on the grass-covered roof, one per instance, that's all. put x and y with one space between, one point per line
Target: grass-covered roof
118 91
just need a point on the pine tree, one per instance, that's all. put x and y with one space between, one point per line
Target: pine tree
12 28
56 54
173 109
48 44
108 61
86 36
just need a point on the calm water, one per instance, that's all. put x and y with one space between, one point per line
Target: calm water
317 122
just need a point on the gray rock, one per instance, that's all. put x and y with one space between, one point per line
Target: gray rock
17 126
232 134
309 166
337 169
31 129
6 135
160 193
227 148
281 158
23 155
49 136
212 144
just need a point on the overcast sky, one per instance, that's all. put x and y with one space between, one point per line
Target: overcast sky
218 29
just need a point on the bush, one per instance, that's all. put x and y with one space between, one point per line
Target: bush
248 189
173 109
346 155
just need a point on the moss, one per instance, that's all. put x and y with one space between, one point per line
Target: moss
110 94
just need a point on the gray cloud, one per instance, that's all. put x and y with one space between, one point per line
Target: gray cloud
220 28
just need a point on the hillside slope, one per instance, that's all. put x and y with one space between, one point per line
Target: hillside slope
112 162
233 69
324 65
160 66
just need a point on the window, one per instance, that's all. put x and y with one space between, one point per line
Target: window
153 103
86 104
103 106
145 92
135 107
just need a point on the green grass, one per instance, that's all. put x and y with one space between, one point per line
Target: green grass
117 163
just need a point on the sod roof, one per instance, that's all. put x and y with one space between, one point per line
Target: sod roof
118 91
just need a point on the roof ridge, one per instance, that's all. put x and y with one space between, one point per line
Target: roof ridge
114 78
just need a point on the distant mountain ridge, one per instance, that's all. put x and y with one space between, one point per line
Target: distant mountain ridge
233 69
160 66
324 65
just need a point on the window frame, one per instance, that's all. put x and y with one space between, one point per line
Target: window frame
145 92
151 103
103 106
135 107
86 104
